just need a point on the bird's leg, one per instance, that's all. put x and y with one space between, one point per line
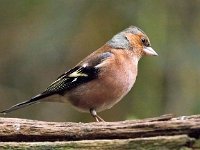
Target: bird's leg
94 114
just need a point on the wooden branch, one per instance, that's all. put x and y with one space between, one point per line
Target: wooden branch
160 131
153 143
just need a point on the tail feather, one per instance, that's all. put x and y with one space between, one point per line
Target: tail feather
33 100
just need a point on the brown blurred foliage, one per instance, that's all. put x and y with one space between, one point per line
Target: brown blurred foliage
39 40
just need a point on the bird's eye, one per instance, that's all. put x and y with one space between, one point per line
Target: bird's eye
145 42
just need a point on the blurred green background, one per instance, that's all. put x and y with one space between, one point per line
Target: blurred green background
40 39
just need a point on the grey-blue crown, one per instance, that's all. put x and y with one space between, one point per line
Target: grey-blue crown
120 40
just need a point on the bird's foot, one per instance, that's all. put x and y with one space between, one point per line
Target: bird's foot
94 114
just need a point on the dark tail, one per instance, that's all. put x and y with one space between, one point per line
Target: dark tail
33 100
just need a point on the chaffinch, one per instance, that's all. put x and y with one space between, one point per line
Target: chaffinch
101 79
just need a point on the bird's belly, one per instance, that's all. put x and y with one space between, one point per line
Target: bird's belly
100 95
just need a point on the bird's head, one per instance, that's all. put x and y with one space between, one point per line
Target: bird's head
133 39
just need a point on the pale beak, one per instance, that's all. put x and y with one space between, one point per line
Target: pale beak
149 51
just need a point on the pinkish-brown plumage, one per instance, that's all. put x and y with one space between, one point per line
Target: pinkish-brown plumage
101 79
116 77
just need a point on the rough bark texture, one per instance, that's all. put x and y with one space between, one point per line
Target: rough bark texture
163 132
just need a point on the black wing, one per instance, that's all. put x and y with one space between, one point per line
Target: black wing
72 79
78 75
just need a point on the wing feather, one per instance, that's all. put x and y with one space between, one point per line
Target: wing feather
78 75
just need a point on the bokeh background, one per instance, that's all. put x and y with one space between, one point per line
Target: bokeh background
40 39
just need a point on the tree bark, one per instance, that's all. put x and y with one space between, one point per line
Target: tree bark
161 132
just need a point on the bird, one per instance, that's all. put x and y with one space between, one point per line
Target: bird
101 79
